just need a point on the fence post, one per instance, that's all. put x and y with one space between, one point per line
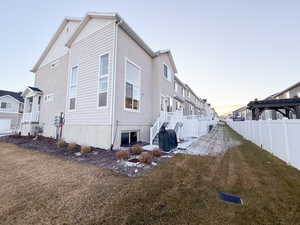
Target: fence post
286 139
270 135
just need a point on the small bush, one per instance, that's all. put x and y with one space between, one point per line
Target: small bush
136 149
61 144
145 157
85 149
72 146
156 152
122 155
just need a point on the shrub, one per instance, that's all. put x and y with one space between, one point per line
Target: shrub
156 152
136 149
61 144
85 149
72 146
145 157
122 155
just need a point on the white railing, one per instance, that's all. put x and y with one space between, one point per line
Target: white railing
280 137
31 117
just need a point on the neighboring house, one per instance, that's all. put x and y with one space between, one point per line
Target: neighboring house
268 114
11 108
110 86
290 92
241 114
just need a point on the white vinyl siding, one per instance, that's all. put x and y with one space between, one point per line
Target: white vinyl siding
85 53
73 88
103 81
132 86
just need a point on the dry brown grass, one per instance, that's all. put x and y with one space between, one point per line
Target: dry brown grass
62 144
85 149
122 155
72 146
145 157
181 191
42 189
136 149
157 152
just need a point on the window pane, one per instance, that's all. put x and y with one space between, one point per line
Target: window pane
133 137
72 93
104 65
132 74
166 71
102 99
74 75
72 103
136 93
125 139
103 84
3 105
129 90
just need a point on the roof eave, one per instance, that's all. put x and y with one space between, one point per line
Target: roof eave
52 41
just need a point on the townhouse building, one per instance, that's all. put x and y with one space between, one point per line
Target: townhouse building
106 83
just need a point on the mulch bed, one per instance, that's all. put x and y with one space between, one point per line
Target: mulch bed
98 157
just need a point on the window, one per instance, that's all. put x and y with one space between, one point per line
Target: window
73 88
132 86
129 138
48 98
3 105
183 92
167 72
176 86
103 81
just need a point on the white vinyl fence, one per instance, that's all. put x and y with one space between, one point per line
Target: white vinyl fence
196 127
280 137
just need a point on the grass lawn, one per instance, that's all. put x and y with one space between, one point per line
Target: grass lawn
37 188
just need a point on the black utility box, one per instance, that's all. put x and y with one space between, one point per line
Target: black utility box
167 139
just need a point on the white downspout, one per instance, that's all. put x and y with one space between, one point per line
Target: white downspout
114 84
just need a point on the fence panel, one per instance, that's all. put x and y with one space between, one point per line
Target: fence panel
280 137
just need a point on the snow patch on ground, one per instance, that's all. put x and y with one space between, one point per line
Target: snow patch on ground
214 143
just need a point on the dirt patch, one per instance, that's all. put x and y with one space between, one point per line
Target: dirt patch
98 157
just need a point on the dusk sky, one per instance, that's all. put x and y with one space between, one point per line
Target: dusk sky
229 52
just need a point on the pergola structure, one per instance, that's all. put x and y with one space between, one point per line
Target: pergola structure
283 106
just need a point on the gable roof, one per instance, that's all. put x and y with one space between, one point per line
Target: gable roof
122 23
52 41
83 22
15 95
287 89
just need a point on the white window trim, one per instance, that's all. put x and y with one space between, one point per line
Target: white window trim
169 78
98 80
47 96
129 131
69 84
140 86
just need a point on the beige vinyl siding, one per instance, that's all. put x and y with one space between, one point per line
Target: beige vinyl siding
59 49
85 54
91 27
52 80
128 49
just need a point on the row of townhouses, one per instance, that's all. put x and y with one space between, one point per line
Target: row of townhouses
292 92
106 83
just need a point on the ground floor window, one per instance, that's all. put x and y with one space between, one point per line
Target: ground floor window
129 138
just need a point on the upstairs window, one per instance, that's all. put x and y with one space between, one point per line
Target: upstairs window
175 86
167 72
4 105
73 88
103 81
132 86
